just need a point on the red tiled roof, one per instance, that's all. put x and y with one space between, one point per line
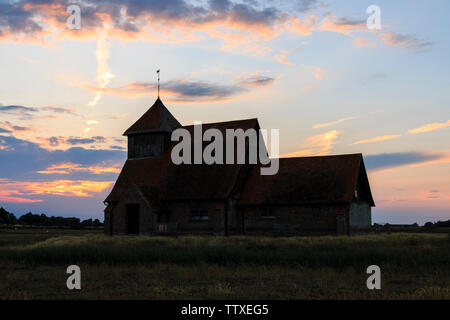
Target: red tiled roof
244 124
156 119
323 179
185 181
147 172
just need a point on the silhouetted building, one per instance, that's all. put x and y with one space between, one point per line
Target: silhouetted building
308 195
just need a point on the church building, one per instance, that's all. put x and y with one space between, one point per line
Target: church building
308 196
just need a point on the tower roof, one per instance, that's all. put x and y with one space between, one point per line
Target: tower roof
157 119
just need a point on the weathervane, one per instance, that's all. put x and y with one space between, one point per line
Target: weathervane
157 71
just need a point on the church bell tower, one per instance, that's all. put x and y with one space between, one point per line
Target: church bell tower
149 137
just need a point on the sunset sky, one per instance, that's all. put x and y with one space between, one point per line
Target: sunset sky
310 68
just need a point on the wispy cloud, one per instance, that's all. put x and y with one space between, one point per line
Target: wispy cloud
24 191
342 25
430 127
317 145
377 139
360 42
256 80
59 110
16 110
329 124
405 41
282 57
21 159
29 113
191 90
69 168
8 127
398 159
104 74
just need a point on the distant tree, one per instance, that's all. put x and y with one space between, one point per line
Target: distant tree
7 217
442 224
86 223
428 224
415 224
43 220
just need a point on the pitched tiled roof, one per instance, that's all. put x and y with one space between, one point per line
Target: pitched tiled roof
323 179
141 172
156 119
185 181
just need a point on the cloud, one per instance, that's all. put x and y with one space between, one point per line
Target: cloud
69 167
59 110
342 25
405 41
65 142
329 124
117 148
15 110
21 191
391 160
190 90
29 113
360 42
430 127
243 26
25 169
8 127
157 20
318 73
317 145
21 160
104 74
78 141
376 139
282 58
256 80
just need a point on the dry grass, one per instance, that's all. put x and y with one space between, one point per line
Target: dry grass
414 266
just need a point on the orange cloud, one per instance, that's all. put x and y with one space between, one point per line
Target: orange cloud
318 73
68 168
5 196
303 27
430 127
362 43
8 126
376 139
317 145
282 58
11 191
323 125
344 25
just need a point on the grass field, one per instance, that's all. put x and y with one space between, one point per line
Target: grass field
34 261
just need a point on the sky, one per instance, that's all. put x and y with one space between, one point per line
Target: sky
312 69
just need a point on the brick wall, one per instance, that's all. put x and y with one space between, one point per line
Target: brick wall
181 218
306 219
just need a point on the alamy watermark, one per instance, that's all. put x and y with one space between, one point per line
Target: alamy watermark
237 147
74 280
374 281
74 20
374 20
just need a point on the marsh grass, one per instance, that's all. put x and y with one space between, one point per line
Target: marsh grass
400 250
414 266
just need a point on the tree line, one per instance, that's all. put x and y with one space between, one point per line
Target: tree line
31 219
